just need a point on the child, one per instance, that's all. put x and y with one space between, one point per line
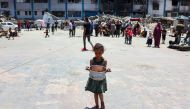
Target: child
52 29
98 87
128 35
10 34
149 39
47 35
164 32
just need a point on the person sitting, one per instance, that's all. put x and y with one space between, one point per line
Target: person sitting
15 33
187 38
10 34
177 40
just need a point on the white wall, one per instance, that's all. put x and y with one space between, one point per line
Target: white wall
159 12
10 7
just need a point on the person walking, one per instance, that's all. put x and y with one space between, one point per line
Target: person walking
86 34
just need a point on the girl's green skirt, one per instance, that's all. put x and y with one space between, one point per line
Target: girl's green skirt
96 86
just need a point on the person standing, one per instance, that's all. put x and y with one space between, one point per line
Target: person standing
164 32
118 28
113 28
98 85
86 33
128 35
56 25
28 25
70 29
74 28
157 35
149 39
96 28
52 29
19 26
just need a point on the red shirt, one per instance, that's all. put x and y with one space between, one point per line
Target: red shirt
129 32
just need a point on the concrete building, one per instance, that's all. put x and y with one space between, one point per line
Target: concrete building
34 9
170 8
6 7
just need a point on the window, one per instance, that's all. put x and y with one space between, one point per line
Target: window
23 1
185 3
174 2
74 13
40 1
93 1
35 12
4 5
74 1
155 6
58 13
26 12
3 23
29 12
60 1
9 24
18 12
139 2
42 12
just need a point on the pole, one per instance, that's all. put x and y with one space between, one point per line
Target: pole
164 8
98 7
82 14
15 11
32 6
66 9
49 5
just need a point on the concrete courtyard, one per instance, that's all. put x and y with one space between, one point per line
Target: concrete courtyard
49 73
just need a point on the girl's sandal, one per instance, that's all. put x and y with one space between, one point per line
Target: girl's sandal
102 105
95 107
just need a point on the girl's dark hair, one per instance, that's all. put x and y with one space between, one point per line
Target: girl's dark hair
98 46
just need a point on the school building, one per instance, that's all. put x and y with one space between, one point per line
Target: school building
34 9
68 9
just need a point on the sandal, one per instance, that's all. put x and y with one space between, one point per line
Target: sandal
102 105
95 107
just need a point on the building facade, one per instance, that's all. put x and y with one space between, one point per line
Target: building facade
34 9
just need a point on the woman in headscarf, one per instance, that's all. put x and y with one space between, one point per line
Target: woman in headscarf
157 35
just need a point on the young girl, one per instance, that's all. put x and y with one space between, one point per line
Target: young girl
98 87
149 39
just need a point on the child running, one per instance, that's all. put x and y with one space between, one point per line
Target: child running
96 85
46 32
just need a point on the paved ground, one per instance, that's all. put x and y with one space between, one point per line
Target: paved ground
39 73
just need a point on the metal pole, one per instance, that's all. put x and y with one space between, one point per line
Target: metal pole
32 6
164 8
98 7
82 14
49 5
147 4
15 11
66 9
